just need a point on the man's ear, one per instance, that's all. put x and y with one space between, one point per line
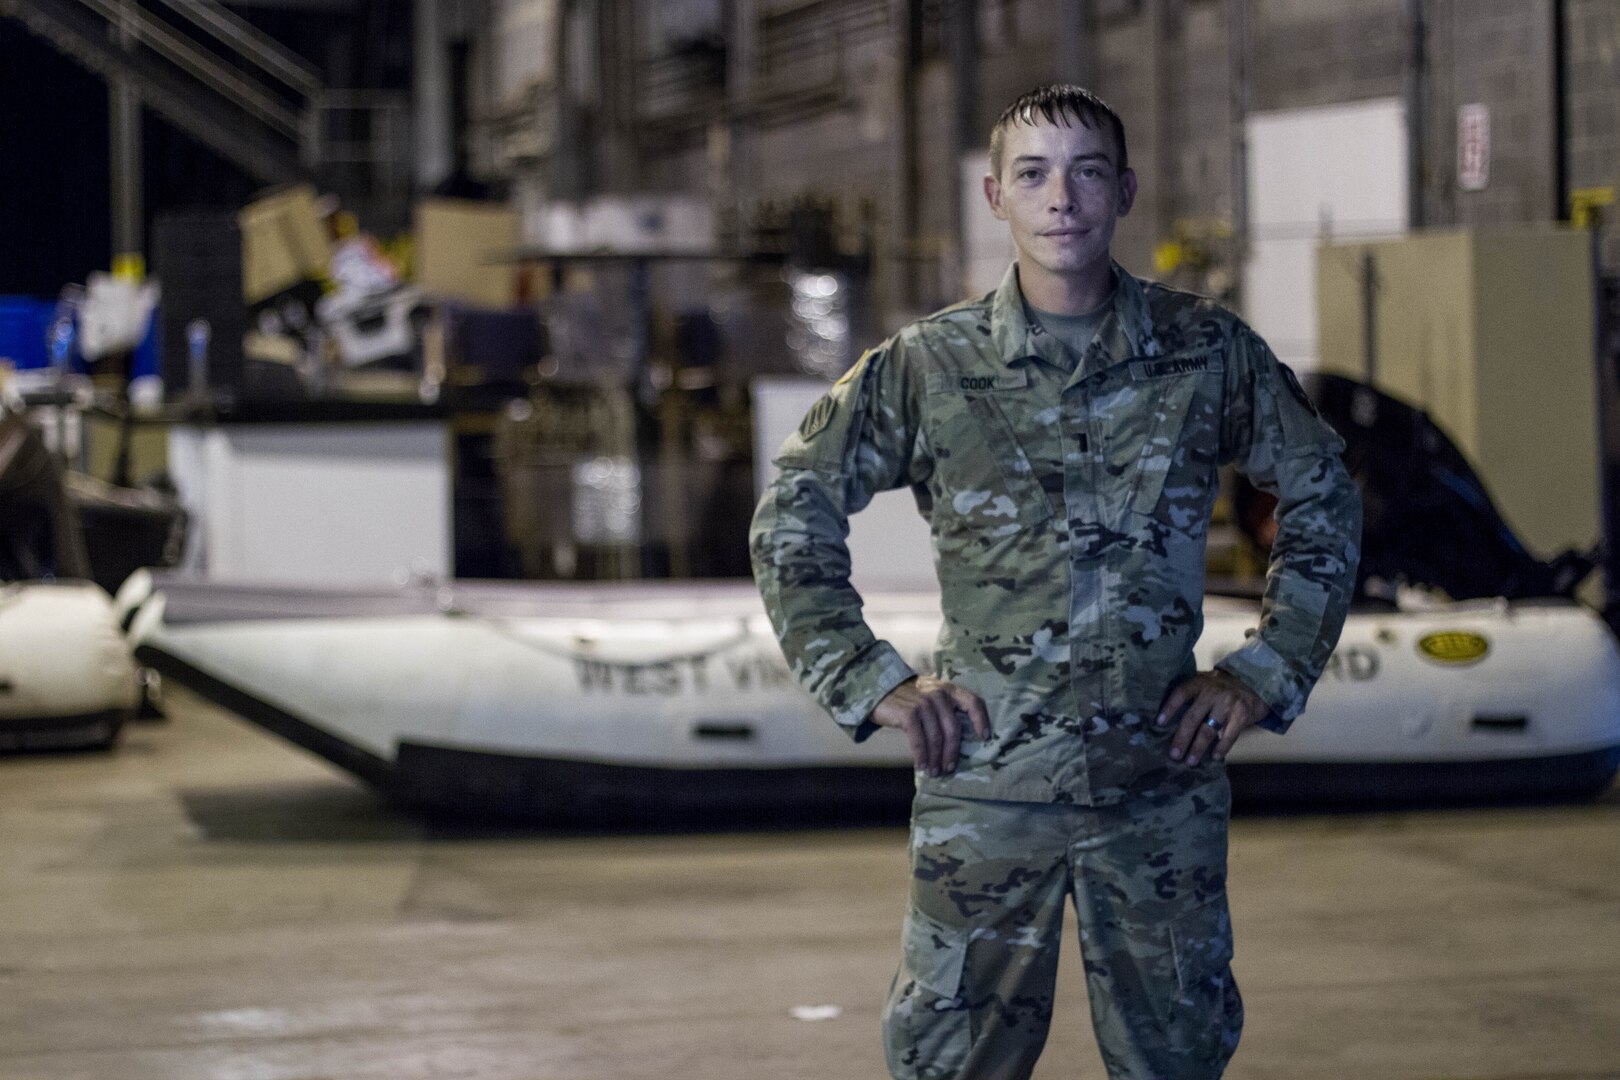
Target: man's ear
992 195
1127 191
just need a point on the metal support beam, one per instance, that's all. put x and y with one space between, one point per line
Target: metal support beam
1162 62
1369 317
619 161
128 195
431 130
124 149
1237 44
735 197
1417 106
967 133
1074 64
965 72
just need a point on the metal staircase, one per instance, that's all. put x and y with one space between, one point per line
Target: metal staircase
233 88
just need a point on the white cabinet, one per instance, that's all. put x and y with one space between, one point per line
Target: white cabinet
331 503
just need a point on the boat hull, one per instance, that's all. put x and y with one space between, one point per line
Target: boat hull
67 680
598 703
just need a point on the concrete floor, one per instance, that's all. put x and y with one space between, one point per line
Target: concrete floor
208 902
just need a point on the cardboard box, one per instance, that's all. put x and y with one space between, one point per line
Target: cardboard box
284 243
455 241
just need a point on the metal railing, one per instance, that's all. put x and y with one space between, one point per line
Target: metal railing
267 101
369 128
231 85
251 43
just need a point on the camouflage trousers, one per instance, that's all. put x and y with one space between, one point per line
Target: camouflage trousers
972 999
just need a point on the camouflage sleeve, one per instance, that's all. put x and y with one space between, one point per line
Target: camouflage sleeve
1276 438
857 440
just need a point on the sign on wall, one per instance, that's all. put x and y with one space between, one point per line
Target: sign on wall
1473 147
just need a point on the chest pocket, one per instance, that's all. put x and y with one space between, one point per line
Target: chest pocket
984 477
1179 402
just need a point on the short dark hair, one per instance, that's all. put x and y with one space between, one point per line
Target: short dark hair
1057 103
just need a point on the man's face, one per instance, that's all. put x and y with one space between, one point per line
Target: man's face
1060 193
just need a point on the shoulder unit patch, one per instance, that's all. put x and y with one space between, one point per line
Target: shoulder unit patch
819 416
1297 390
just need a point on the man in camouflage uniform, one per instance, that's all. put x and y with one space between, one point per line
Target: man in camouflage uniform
1062 437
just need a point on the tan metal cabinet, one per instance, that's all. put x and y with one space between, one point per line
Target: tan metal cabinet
1490 330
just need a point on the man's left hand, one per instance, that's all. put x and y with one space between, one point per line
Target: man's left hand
1218 707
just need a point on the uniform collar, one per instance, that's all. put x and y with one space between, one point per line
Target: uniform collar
1127 329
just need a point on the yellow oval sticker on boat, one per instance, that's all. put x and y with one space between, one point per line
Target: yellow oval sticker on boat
1454 647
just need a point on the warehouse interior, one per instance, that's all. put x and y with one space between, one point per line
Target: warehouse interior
386 388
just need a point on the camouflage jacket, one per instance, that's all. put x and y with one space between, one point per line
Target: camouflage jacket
1068 511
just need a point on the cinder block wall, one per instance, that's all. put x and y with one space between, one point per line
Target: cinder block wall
1167 65
1504 59
1323 52
1592 74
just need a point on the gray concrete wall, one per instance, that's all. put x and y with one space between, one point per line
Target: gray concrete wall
1504 59
1323 52
1203 161
1126 80
1592 72
1167 66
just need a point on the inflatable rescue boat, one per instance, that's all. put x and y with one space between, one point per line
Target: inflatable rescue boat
66 676
605 701
608 701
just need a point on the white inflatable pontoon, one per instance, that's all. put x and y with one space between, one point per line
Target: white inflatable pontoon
606 701
66 676
597 702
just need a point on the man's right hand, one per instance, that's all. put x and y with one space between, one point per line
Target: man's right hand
926 708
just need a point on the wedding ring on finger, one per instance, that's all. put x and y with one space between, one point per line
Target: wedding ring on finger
1213 723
